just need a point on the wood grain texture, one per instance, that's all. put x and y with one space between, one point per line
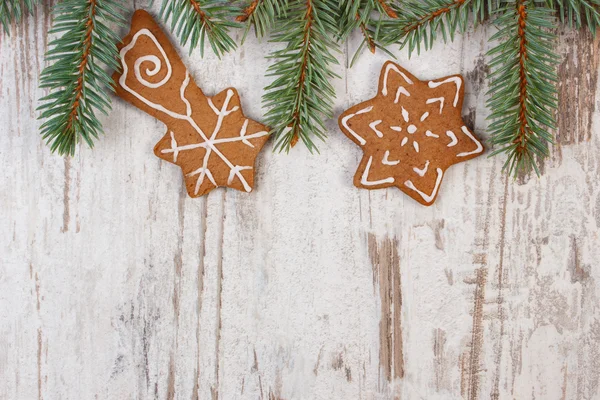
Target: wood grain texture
115 285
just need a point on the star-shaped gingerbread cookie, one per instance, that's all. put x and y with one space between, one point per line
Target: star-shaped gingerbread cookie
209 138
410 133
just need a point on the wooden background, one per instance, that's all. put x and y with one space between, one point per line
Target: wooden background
115 285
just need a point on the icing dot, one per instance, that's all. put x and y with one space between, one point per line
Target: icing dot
411 128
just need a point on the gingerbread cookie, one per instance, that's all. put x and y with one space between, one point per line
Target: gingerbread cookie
410 133
209 138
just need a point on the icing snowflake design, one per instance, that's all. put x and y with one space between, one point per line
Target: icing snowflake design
209 138
410 133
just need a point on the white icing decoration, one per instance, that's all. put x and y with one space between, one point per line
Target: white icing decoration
422 171
404 141
411 129
396 128
203 172
457 81
209 143
123 78
424 196
416 146
345 120
404 114
479 148
440 99
387 161
174 147
452 136
401 90
424 116
431 134
151 72
364 110
389 67
373 125
188 106
243 137
364 180
234 171
243 134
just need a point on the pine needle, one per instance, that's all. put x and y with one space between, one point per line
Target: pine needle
196 21
13 10
578 13
301 96
366 16
261 14
421 22
78 84
522 85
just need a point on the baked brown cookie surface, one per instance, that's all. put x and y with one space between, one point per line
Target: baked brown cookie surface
410 133
208 137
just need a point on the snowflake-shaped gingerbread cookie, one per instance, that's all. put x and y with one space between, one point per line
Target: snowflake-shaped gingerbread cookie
209 138
410 133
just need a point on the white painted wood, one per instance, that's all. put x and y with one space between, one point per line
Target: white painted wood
115 285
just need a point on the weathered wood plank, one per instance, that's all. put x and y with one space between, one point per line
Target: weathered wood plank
115 284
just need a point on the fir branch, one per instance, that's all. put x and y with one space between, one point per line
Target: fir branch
78 84
578 12
261 15
366 16
522 84
248 11
369 39
419 22
353 15
387 9
13 10
300 97
197 21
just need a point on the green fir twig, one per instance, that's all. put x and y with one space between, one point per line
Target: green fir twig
367 17
261 14
578 13
196 21
13 10
522 87
78 83
420 22
301 96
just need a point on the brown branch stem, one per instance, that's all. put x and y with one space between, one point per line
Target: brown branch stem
248 11
521 138
308 16
427 18
388 10
85 57
201 14
365 32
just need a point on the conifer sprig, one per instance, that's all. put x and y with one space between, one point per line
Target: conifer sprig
13 10
354 14
420 22
78 84
301 96
578 12
365 16
196 21
261 15
522 85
